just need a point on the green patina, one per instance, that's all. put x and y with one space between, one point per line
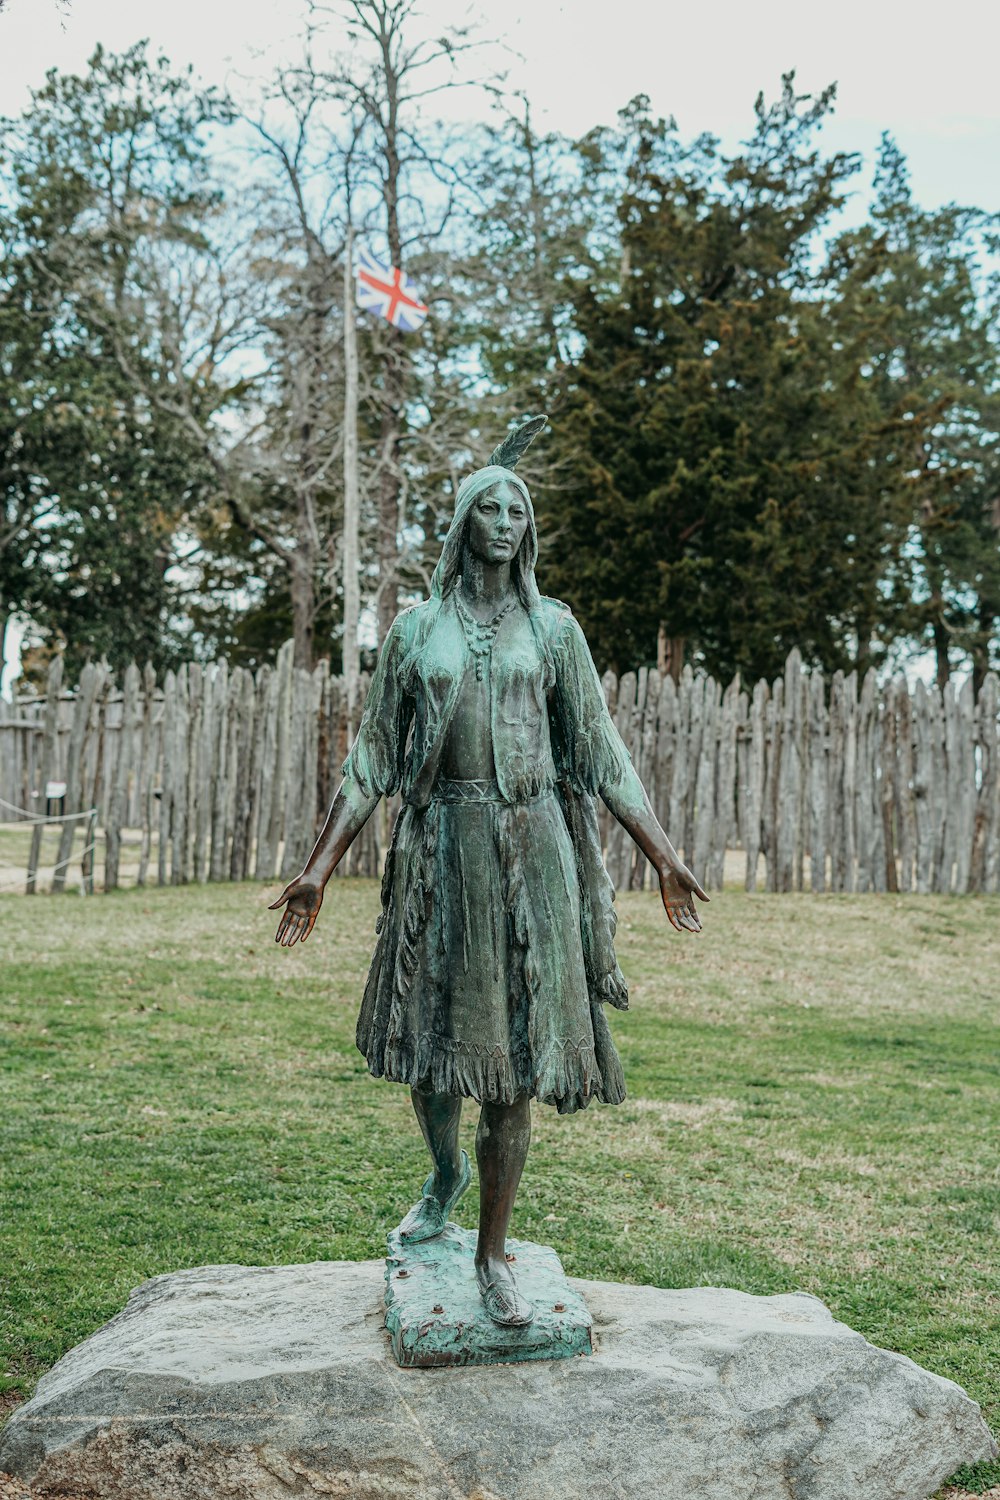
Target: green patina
495 957
435 1315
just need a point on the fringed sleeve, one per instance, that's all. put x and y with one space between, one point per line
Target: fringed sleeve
588 749
376 758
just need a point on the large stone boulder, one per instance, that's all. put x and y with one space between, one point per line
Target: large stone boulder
254 1383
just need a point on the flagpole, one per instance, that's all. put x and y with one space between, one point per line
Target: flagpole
352 599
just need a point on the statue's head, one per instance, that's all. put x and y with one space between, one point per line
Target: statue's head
495 489
481 496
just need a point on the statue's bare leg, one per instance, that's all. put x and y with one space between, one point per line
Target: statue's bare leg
439 1116
501 1149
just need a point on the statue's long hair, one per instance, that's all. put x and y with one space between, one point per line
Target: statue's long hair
522 568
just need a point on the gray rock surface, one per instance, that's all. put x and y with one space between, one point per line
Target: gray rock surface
237 1383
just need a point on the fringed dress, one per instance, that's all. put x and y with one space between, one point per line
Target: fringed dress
495 952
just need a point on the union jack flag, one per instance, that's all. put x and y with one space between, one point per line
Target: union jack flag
388 293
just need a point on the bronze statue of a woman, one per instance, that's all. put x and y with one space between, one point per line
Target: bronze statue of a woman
495 952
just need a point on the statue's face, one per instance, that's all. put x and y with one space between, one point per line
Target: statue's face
497 522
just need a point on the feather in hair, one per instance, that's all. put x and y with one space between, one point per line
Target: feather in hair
517 442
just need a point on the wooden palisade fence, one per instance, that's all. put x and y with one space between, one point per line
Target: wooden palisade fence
226 775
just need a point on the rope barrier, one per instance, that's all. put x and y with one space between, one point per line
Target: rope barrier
80 855
18 885
75 854
30 817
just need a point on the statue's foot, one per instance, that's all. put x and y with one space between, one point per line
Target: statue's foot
428 1217
501 1297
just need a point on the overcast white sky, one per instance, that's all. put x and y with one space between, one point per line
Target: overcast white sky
928 75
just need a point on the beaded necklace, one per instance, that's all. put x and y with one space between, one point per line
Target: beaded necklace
480 634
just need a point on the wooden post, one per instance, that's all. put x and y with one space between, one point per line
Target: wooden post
192 857
963 789
300 783
889 799
705 810
666 750
742 768
49 731
231 789
906 818
179 752
149 760
244 811
267 768
694 688
755 782
819 784
682 763
220 776
788 778
850 772
923 776
950 800
942 869
91 679
724 819
200 800
771 811
119 790
865 798
985 873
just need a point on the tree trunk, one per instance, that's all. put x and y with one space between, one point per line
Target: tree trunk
302 578
940 635
980 649
308 545
4 626
865 632
670 653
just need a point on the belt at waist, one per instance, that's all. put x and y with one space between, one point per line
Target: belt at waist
488 790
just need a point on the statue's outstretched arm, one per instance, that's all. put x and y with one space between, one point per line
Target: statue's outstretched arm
372 770
591 752
626 799
303 896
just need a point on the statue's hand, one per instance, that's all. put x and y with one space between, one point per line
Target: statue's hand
678 889
302 899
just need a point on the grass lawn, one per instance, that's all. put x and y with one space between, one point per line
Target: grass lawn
814 1090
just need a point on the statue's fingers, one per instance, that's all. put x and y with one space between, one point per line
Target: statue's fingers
671 915
698 890
280 901
295 931
282 929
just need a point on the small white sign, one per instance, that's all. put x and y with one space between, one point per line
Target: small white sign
55 789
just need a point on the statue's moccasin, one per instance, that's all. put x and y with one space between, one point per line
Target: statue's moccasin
428 1217
503 1301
